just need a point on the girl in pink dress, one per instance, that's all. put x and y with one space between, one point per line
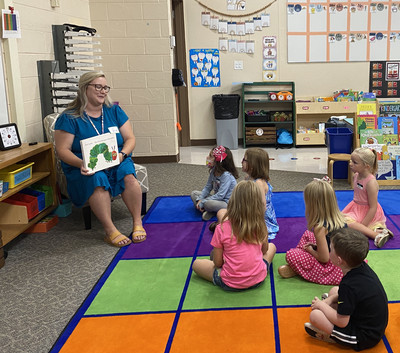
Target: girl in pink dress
364 213
241 255
310 258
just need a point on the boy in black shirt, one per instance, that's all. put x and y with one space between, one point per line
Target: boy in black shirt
355 314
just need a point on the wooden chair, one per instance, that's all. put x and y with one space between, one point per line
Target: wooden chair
339 157
141 174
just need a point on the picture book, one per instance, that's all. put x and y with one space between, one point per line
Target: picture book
393 151
389 109
386 170
371 136
366 108
390 139
366 122
100 152
388 124
377 147
398 167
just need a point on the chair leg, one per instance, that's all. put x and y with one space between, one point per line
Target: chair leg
144 203
87 216
330 170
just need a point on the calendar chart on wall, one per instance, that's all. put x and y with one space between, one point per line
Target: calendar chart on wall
334 31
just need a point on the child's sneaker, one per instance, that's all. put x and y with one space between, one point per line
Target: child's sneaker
206 216
317 333
324 296
381 239
286 271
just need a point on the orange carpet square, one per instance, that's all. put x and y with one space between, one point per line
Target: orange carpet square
128 333
231 331
293 337
392 331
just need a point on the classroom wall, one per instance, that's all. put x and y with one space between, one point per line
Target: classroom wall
21 56
137 60
311 79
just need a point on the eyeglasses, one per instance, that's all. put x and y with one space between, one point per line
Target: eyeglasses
244 160
100 87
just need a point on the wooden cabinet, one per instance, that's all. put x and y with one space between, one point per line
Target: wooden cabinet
43 172
309 114
267 107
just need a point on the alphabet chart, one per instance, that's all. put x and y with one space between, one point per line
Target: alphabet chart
327 31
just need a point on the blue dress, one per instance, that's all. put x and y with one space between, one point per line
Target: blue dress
80 187
270 216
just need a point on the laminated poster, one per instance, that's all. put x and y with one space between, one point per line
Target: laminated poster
100 152
11 25
204 67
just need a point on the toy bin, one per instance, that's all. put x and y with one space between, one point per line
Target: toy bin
38 194
30 202
16 174
339 140
48 192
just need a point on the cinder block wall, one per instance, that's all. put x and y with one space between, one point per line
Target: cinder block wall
137 60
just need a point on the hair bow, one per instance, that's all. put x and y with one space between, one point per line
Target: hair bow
219 153
325 178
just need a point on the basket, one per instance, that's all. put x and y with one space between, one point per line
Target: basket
16 174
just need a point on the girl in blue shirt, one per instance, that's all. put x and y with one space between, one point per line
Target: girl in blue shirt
223 174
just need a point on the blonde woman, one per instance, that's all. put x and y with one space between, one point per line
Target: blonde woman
310 258
364 213
241 255
91 113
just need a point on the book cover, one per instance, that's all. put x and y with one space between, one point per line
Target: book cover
388 124
386 170
371 136
390 139
389 109
366 122
366 108
100 152
398 167
393 151
377 147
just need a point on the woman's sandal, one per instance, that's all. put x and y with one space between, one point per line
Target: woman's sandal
115 237
138 235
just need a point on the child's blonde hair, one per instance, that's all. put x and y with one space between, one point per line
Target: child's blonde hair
321 206
368 157
257 163
246 209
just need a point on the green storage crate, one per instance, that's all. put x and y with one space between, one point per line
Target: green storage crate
48 191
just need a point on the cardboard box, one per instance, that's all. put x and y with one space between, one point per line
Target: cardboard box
44 225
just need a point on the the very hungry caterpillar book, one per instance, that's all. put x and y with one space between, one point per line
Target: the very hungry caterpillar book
100 152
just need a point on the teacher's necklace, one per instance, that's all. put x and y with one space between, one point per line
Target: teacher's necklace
102 122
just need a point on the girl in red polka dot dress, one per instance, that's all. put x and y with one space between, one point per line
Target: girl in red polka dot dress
310 258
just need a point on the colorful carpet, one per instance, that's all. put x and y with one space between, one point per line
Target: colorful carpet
148 300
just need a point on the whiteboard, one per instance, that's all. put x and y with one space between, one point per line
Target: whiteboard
323 31
3 96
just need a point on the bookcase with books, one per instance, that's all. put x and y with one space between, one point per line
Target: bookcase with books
378 127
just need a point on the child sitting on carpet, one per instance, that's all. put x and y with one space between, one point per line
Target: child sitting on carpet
364 213
256 164
355 314
241 255
223 174
310 259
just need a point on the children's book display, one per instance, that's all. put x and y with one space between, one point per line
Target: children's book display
100 152
378 127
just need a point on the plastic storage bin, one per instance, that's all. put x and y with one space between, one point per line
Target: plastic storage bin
339 140
16 174
41 197
226 112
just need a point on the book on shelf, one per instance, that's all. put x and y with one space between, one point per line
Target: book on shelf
387 170
389 108
388 124
390 139
371 136
100 152
366 108
366 122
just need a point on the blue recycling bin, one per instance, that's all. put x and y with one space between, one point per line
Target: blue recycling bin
339 140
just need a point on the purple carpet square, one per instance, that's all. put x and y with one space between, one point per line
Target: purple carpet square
290 231
205 246
167 240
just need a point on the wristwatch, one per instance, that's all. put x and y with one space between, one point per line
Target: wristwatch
124 155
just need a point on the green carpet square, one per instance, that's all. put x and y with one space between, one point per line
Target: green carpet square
385 264
202 294
141 286
295 290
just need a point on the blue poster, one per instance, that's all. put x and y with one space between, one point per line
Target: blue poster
204 68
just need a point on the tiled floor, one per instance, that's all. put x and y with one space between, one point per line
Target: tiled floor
303 159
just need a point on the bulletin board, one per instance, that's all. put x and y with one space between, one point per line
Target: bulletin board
204 68
321 31
384 79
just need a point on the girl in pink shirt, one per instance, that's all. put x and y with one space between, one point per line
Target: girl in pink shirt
241 255
364 213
